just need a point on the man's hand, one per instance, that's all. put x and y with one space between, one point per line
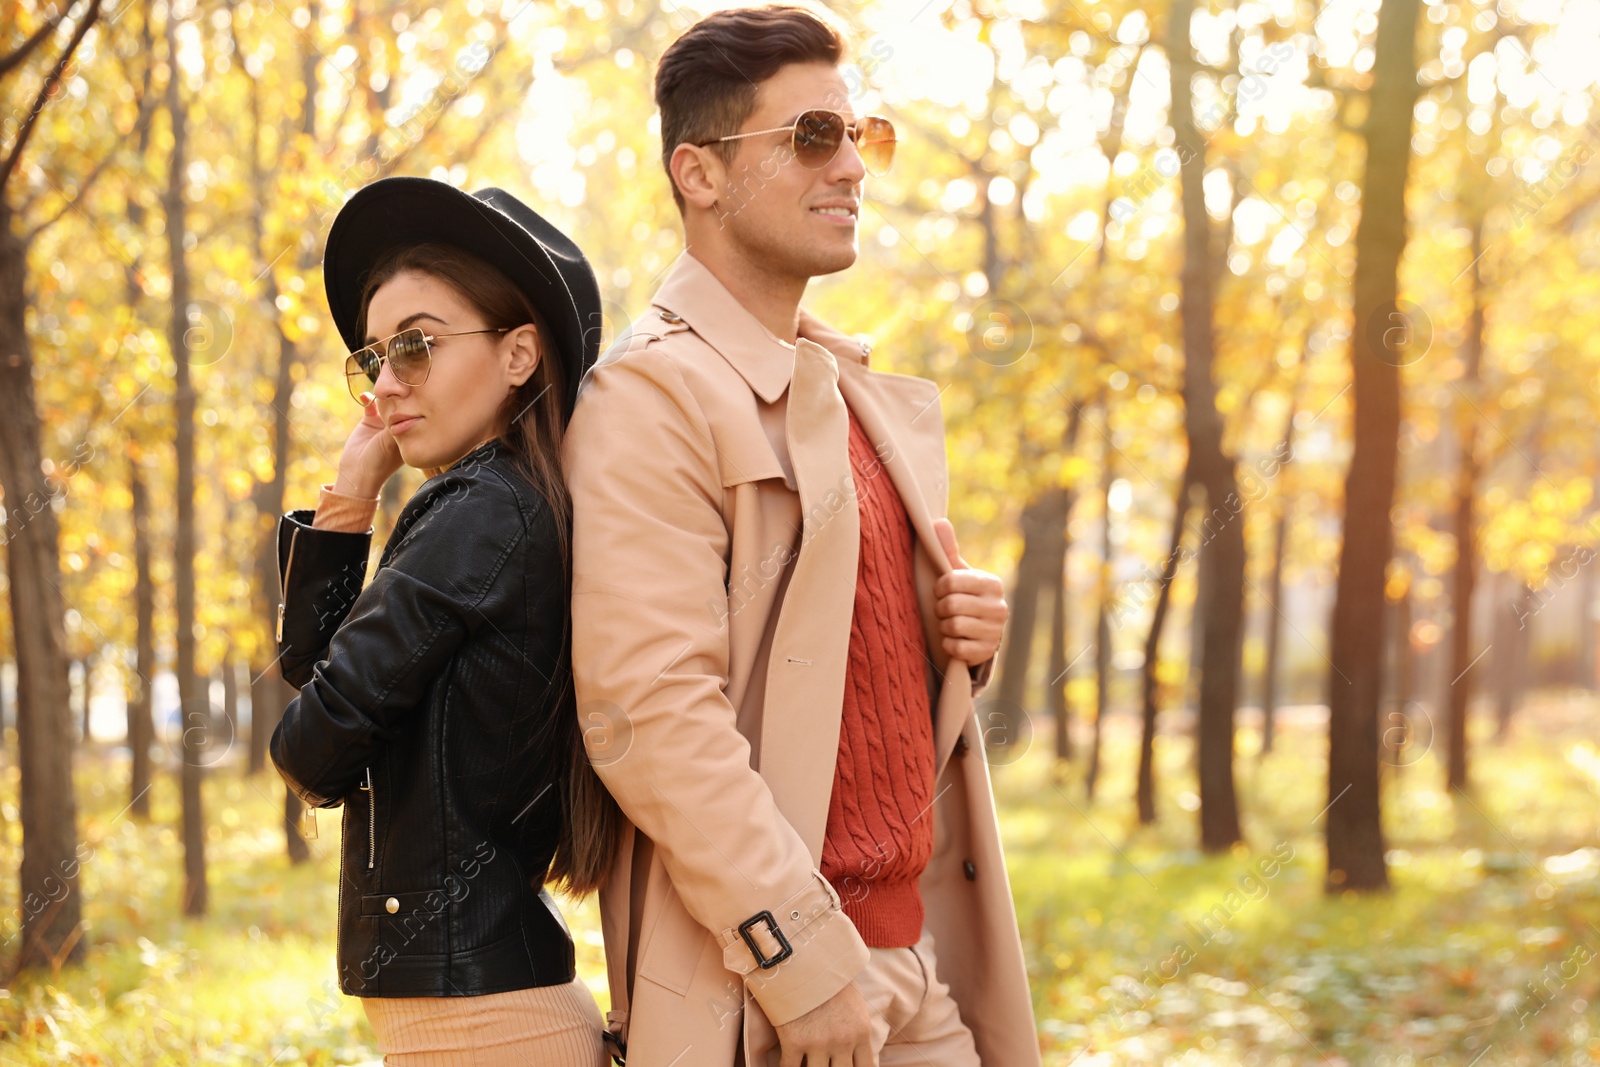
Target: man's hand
971 605
836 1033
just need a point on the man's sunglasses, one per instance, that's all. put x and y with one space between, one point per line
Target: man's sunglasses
408 355
817 135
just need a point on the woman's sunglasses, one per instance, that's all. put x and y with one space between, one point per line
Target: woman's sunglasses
408 355
817 135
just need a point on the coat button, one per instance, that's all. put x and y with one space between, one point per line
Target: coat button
392 905
961 745
970 869
671 316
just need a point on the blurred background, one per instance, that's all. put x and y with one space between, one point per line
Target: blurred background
1267 338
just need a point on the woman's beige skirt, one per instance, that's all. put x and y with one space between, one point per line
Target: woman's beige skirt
552 1026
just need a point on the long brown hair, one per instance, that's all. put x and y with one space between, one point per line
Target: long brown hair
534 416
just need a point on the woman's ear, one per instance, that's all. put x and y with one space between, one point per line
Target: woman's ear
526 349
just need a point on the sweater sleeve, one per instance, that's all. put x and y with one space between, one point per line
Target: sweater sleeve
345 514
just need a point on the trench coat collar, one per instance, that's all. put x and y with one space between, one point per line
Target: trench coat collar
692 293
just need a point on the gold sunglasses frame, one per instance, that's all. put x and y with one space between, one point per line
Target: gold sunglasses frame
852 131
381 354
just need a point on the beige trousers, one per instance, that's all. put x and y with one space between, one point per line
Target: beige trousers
915 1023
551 1026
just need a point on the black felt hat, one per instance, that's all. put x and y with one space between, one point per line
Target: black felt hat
491 224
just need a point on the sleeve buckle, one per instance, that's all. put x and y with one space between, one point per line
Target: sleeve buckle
785 950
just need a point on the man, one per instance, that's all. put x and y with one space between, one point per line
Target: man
772 624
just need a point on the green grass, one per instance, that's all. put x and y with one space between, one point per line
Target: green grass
1139 954
252 983
1141 950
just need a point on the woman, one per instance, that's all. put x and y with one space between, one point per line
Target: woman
435 704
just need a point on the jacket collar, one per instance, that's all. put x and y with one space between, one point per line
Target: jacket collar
694 295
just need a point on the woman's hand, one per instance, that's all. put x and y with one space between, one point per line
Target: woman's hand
370 456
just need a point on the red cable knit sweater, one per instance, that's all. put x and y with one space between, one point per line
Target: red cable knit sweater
880 819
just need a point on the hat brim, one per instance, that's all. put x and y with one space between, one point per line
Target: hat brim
398 212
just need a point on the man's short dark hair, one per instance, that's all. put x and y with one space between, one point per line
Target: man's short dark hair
707 80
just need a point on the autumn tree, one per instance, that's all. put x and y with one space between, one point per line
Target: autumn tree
32 68
1209 462
1379 335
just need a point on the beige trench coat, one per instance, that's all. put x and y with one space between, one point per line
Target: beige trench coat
714 570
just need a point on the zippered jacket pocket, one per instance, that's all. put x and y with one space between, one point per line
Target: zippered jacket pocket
372 820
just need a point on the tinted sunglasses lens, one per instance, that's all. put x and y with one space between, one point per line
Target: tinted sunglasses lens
817 135
361 371
875 141
408 356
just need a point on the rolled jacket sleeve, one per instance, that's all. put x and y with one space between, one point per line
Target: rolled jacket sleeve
651 667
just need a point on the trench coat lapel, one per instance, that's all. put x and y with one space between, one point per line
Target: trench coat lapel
901 415
811 642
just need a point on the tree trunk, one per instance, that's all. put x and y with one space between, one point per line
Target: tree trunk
1042 529
1060 590
1149 684
193 700
141 722
1397 735
79 669
265 687
1466 532
51 906
141 702
1280 542
269 693
1511 643
1271 669
1380 342
1102 625
1060 587
1040 568
1223 558
1197 634
1056 689
90 661
51 931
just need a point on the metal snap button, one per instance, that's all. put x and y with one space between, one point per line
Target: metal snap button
795 915
671 316
392 905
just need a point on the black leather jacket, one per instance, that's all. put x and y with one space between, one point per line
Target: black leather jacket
424 702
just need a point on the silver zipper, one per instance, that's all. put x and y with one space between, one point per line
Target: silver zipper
288 566
372 821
